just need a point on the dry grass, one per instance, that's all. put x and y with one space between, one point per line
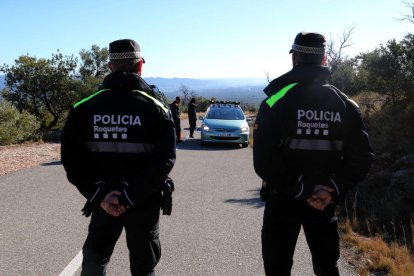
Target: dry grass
251 115
391 259
370 102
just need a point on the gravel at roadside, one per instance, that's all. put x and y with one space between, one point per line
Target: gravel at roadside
26 155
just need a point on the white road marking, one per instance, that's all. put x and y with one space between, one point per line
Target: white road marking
73 266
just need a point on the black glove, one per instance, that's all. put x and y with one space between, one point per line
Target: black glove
263 191
166 201
96 198
302 188
305 185
126 198
336 194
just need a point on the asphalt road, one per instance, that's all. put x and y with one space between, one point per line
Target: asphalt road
214 228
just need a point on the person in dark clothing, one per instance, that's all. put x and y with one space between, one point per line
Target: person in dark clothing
118 147
310 147
176 115
192 116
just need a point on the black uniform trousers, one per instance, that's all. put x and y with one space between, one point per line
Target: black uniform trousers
282 220
192 123
141 228
177 123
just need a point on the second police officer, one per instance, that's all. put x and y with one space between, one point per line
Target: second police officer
310 147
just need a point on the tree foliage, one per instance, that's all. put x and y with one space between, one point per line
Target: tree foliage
42 87
94 62
409 16
342 67
202 104
186 91
15 126
389 71
187 95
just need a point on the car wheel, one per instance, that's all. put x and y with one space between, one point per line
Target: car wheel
245 145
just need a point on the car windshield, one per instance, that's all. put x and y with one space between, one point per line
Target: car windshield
225 113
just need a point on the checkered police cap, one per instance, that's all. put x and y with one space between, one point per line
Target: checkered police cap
309 43
124 49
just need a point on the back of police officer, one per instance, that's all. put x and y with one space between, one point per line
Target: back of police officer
118 147
176 115
310 147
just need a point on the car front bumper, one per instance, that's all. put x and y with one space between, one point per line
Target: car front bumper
225 137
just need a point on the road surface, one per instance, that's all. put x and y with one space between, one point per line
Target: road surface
214 228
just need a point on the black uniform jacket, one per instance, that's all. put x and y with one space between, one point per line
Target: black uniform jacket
119 133
192 114
175 110
309 133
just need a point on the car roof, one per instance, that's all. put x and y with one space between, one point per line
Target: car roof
224 104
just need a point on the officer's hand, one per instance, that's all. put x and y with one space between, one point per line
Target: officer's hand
111 205
321 197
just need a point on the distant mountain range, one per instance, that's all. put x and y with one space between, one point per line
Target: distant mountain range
244 90
174 84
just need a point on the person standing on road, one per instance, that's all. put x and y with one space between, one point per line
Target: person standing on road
192 116
118 147
310 147
176 115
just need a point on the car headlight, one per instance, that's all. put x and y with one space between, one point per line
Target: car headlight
206 128
244 128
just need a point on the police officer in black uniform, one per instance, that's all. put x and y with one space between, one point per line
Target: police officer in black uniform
192 116
118 147
310 147
176 115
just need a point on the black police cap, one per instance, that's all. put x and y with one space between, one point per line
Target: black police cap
309 43
124 49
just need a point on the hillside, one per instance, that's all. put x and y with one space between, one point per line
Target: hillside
174 84
244 90
252 95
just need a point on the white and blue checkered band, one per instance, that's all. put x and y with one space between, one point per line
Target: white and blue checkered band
308 50
125 55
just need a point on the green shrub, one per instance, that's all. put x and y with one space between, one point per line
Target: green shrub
383 203
15 126
389 125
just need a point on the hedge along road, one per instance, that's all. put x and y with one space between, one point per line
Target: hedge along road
214 228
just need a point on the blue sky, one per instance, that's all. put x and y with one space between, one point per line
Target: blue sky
195 38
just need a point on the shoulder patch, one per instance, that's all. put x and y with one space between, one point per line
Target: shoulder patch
272 100
88 98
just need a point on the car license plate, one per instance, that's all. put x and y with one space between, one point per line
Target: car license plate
224 134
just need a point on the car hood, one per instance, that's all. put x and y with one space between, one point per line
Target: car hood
214 123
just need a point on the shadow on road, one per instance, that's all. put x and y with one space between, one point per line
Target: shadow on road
53 163
194 144
253 201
